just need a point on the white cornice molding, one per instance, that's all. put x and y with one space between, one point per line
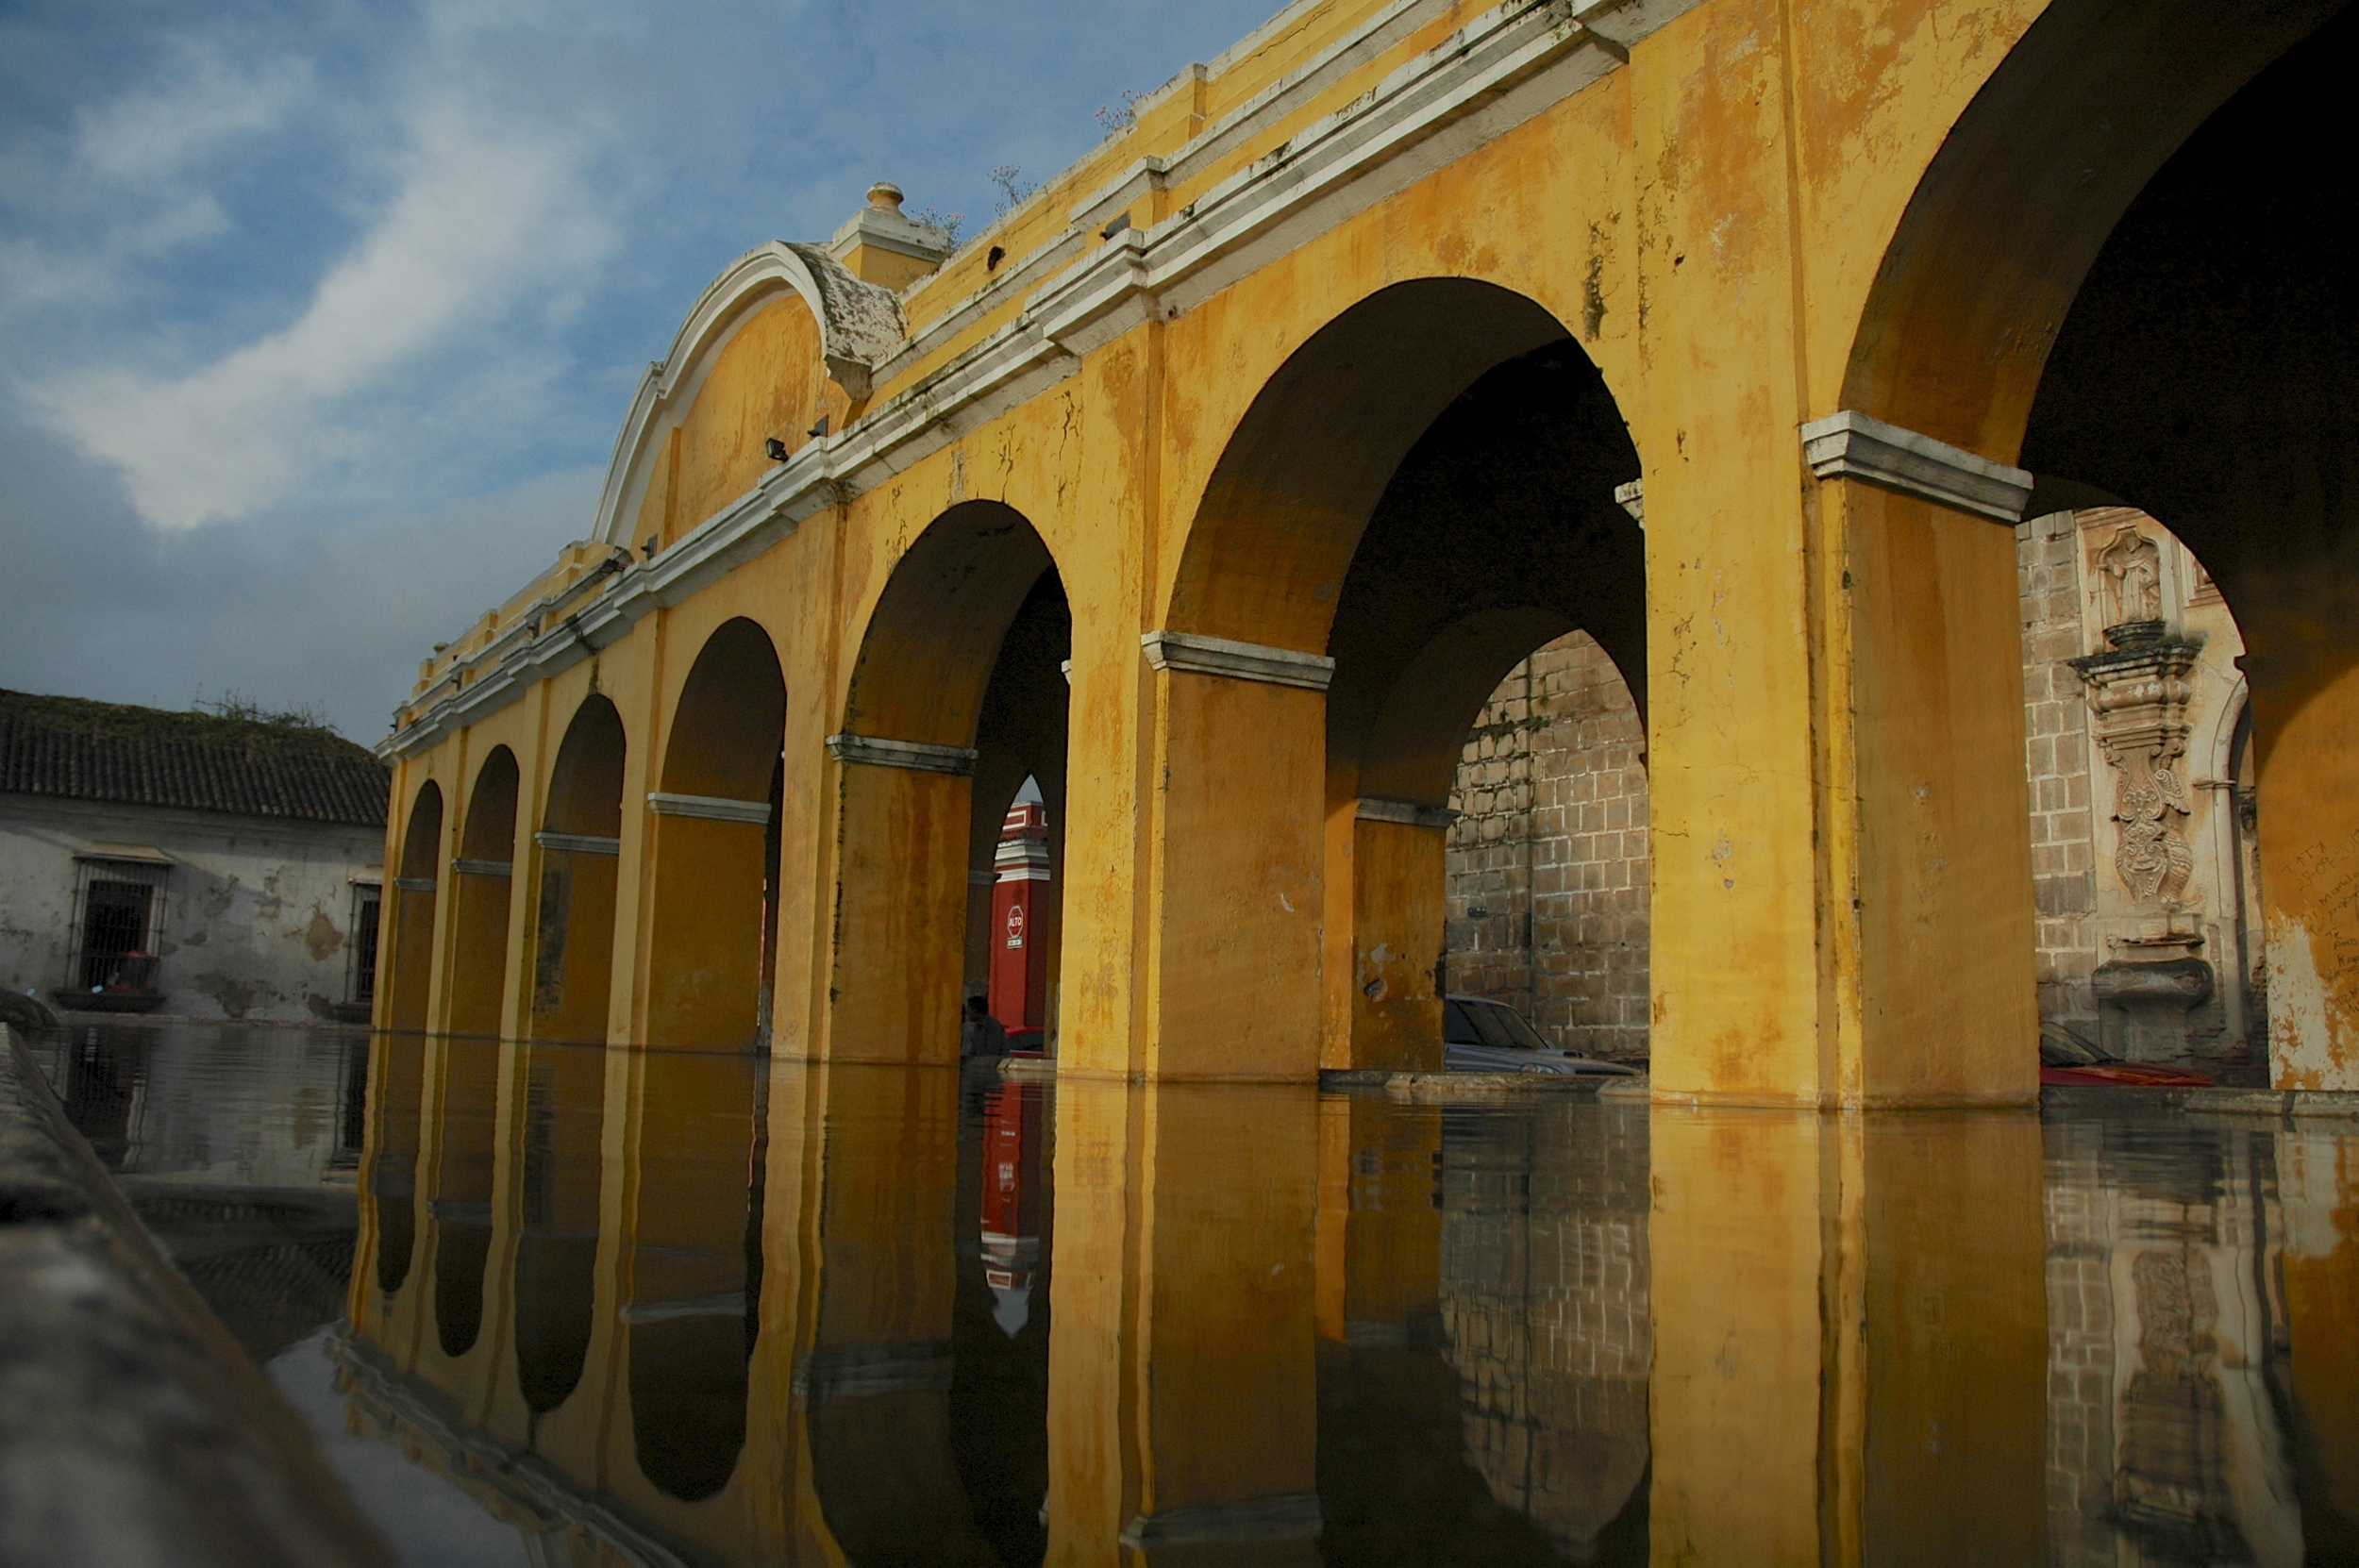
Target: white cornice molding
1850 445
709 808
872 751
1193 655
1498 70
579 844
1409 814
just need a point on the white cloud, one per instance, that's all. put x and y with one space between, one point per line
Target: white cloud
490 213
204 101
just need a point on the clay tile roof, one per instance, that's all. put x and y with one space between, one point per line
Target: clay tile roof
71 749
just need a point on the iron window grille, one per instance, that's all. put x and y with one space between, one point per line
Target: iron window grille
119 909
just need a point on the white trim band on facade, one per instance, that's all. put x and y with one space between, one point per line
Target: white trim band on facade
1406 812
126 854
482 867
1850 445
957 761
414 884
1632 498
579 844
1189 653
709 808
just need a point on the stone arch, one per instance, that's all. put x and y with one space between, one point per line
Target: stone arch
905 762
483 876
579 847
1301 474
2064 291
713 846
409 957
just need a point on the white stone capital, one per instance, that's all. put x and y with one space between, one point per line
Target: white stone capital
1850 445
1632 498
709 808
483 868
579 844
1189 653
414 884
957 761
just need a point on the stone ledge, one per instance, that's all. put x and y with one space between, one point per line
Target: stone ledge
1443 1086
2283 1103
132 1427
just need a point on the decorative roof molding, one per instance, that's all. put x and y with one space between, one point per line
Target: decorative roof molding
709 808
1850 445
1189 653
860 326
1409 814
579 844
1501 69
958 761
1632 498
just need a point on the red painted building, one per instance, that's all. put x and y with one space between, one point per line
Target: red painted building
1019 903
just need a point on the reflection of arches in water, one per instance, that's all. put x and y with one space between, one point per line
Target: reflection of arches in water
460 1212
696 1282
557 1248
1544 1306
715 838
580 844
482 879
410 954
399 1090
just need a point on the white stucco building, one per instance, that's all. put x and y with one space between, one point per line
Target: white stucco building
185 863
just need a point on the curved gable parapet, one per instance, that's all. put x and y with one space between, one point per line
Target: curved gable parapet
860 325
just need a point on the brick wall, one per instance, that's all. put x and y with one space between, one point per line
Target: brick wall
2056 767
1547 861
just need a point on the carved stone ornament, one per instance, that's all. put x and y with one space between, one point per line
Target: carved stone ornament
2132 566
2139 690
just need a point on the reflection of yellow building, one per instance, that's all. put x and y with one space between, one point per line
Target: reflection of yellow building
1224 405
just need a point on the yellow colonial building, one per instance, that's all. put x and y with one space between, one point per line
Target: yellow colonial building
1218 485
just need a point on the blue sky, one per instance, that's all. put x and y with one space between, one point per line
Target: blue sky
317 322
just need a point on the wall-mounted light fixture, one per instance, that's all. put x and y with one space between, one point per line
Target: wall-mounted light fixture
818 431
776 449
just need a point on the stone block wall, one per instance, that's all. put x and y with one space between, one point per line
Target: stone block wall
2056 767
1547 861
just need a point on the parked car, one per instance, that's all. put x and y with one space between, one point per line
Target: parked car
1483 1036
2067 1058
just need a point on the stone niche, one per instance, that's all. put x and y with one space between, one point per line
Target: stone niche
2163 693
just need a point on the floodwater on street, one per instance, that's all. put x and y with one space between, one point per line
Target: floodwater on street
569 1306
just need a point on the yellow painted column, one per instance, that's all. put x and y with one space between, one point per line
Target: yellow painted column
704 973
1231 963
1841 892
1379 1231
2309 724
1849 1360
1399 881
1183 1382
900 907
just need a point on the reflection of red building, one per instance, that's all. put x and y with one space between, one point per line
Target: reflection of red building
1011 1229
1019 970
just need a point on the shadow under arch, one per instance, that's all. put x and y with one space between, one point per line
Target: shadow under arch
409 957
460 1212
1499 533
906 763
1301 476
483 874
580 844
714 844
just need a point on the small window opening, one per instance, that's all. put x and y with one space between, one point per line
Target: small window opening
114 938
360 986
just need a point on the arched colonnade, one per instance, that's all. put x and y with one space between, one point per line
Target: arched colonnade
1224 533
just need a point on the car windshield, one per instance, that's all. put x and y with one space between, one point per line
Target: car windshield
1496 1026
2060 1047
